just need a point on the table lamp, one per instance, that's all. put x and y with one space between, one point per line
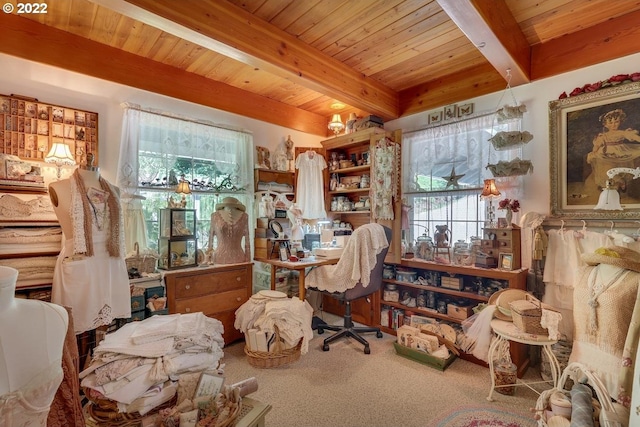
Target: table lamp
60 155
490 191
183 188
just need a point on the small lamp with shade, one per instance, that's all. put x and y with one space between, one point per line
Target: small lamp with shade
60 155
183 188
490 191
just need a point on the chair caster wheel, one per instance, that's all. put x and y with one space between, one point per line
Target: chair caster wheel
325 347
367 350
378 334
320 331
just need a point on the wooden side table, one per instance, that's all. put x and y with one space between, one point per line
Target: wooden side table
507 331
252 413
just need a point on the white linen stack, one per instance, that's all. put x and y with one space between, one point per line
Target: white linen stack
138 365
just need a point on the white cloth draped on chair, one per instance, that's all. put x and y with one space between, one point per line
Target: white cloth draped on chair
355 264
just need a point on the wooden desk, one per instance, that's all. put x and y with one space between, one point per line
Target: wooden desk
298 266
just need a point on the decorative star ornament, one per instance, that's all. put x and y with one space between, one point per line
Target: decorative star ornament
452 179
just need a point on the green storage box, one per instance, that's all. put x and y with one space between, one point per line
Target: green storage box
136 316
154 292
137 303
424 358
150 313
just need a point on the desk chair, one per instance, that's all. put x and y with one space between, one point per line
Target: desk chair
358 291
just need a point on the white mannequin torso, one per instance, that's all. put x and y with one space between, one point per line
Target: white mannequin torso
32 335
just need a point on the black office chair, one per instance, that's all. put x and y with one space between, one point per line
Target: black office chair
359 291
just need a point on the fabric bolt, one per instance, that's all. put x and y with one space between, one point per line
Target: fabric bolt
581 406
355 264
309 188
29 240
229 237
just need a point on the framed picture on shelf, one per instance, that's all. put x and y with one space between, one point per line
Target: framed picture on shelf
506 262
589 134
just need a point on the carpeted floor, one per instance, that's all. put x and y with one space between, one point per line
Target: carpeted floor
345 387
485 416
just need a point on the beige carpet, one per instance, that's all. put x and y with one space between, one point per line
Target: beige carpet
345 387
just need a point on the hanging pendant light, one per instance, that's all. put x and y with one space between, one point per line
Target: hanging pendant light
609 199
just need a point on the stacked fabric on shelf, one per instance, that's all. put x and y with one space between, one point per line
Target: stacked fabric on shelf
138 365
35 270
267 309
26 240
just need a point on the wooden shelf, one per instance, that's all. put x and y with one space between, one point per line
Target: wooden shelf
361 168
422 311
441 290
349 191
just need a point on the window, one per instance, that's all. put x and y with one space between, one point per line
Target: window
160 149
445 167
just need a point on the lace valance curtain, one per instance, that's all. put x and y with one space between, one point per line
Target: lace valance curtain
152 143
433 152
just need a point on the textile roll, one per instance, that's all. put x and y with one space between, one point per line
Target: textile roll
581 406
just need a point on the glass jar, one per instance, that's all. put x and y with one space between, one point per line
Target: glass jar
424 248
388 272
364 181
505 377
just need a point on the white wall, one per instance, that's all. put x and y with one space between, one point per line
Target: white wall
57 86
536 96
60 87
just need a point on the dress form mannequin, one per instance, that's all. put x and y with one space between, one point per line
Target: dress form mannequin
32 334
91 273
230 224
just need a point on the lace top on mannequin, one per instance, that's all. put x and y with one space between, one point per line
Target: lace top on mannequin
230 224
31 368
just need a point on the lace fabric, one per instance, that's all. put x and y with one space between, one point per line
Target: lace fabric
29 406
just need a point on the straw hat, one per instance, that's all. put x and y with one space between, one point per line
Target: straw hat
510 295
618 256
231 202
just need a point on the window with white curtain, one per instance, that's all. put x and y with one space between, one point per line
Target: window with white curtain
158 149
435 159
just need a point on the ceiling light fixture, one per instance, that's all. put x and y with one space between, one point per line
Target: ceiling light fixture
337 106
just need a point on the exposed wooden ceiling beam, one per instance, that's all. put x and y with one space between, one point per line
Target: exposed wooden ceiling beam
231 31
491 27
453 88
612 39
36 42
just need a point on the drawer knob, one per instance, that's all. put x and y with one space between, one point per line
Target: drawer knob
238 299
187 287
188 310
238 279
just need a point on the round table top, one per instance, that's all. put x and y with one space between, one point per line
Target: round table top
509 331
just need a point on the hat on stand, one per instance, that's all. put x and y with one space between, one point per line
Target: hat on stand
231 202
618 256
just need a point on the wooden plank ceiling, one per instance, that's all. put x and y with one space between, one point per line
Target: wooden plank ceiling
288 62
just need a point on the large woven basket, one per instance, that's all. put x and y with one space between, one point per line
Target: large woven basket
527 314
104 412
277 357
144 263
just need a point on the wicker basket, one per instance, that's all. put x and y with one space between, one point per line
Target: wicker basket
277 357
144 263
526 315
610 415
104 412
